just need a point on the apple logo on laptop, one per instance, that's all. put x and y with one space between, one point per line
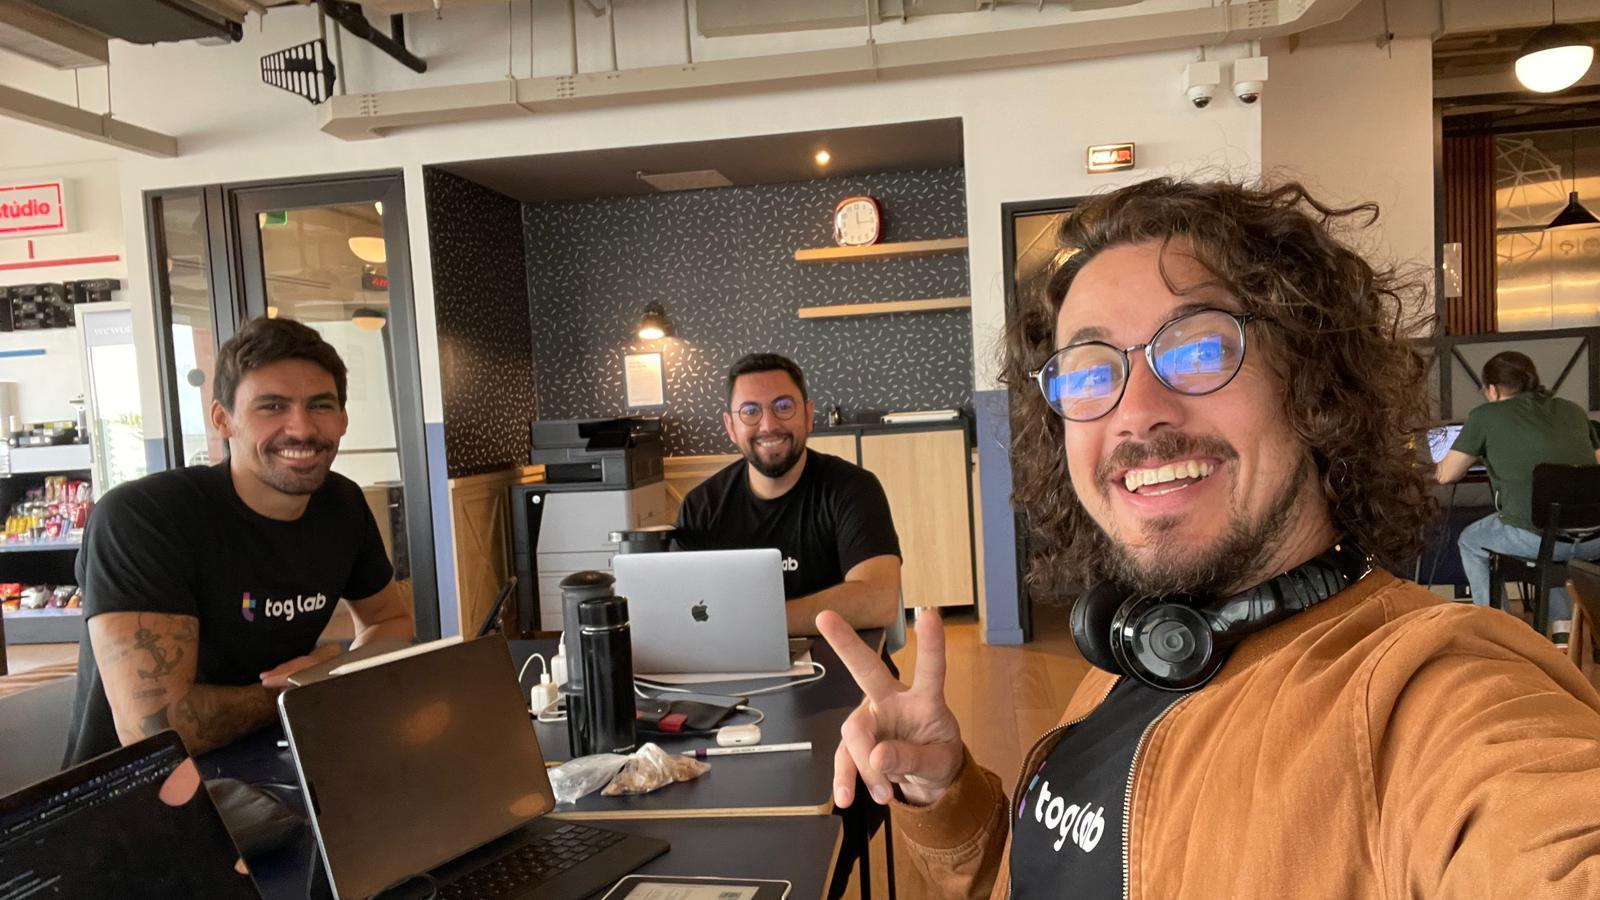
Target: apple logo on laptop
698 611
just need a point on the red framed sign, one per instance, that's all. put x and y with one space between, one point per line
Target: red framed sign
33 209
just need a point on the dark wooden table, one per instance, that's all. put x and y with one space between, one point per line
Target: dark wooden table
757 816
767 784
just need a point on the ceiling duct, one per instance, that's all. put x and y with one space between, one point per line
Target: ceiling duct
146 21
29 31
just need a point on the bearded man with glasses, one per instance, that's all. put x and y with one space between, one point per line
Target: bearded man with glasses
1215 408
829 518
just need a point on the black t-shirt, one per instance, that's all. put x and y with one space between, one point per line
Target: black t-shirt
834 517
1067 837
182 542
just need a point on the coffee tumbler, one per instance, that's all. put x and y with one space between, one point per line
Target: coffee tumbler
575 589
606 644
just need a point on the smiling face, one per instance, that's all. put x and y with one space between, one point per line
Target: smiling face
772 445
1203 494
284 429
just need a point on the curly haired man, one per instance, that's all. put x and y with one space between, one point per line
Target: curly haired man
1214 401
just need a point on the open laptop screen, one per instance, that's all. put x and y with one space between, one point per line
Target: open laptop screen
410 764
134 823
1441 439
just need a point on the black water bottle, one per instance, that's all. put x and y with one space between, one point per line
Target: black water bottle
575 590
606 645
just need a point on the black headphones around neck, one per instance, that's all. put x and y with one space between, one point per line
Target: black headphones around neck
1177 643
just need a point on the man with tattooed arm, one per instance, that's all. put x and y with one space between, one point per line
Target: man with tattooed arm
206 587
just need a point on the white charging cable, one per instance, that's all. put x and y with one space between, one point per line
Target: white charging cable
543 695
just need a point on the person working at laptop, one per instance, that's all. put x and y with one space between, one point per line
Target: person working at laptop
829 518
1213 431
206 587
1520 427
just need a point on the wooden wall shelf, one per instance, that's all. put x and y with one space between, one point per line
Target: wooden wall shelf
884 308
897 250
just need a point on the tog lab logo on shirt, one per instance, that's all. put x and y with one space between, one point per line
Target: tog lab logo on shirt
282 609
1084 825
790 564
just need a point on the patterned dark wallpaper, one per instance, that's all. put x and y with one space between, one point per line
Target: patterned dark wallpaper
481 301
722 263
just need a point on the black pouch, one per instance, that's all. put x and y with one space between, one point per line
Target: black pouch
660 716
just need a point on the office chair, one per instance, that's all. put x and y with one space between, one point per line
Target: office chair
1583 583
1566 507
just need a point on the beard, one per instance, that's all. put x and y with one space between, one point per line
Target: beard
288 481
773 466
1171 566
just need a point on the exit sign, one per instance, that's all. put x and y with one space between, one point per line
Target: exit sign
33 209
1110 158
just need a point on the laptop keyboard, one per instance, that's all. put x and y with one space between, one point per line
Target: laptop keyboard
533 863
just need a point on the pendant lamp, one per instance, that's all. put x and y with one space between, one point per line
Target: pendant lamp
1575 213
1554 58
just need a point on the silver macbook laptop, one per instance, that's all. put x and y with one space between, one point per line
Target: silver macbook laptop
705 611
427 769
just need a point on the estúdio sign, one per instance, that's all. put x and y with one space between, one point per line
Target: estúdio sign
32 209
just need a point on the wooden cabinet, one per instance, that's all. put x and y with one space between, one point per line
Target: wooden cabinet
840 445
924 474
925 471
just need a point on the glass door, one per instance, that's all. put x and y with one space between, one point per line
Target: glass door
189 261
334 256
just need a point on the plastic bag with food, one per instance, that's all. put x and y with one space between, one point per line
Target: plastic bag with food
584 775
651 767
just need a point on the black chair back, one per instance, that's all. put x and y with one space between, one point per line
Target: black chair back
1574 491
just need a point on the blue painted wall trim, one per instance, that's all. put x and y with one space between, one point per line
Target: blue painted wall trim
444 538
1003 624
155 455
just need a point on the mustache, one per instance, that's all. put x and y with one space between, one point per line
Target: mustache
1169 444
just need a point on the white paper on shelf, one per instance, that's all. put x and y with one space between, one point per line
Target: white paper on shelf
928 415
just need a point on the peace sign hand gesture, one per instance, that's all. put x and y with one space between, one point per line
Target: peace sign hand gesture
899 735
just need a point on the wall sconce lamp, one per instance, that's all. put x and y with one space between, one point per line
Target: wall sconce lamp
653 326
368 319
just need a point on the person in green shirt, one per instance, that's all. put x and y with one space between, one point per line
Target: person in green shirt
1520 427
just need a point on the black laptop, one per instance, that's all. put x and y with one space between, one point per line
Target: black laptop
425 771
134 823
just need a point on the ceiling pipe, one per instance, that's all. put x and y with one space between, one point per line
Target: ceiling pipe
369 115
355 21
82 123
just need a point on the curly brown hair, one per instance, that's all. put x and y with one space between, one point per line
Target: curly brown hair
1333 328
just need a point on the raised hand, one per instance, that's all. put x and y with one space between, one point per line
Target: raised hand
898 735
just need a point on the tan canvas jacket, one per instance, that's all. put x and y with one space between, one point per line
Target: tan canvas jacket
1382 744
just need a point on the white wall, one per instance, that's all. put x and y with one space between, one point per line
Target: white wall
1026 130
45 383
1355 124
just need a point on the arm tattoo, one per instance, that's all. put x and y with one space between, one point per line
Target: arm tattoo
220 715
164 658
155 723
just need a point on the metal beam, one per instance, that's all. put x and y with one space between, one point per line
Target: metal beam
355 21
105 129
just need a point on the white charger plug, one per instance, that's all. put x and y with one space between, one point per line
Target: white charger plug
543 696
